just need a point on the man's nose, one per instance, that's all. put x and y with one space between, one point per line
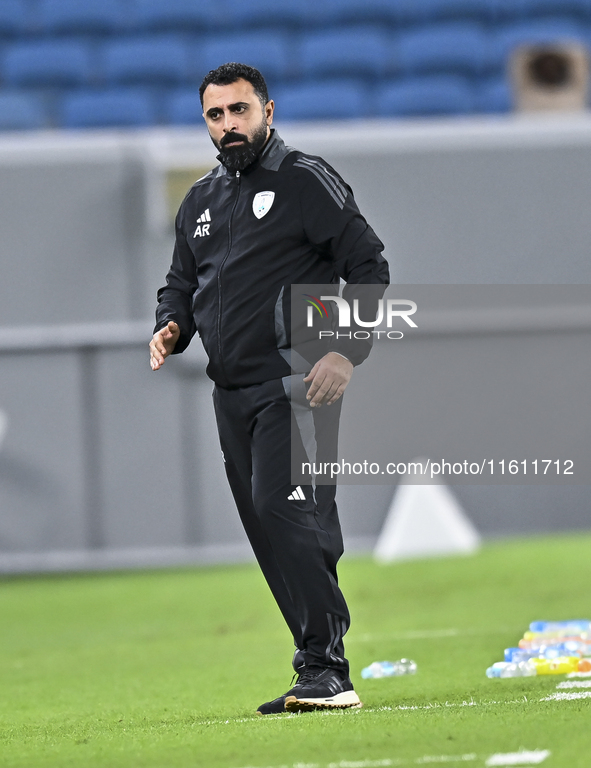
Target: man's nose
229 122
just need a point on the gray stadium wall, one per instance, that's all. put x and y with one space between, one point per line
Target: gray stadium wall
106 464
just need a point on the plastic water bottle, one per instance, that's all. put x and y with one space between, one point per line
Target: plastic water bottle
572 626
558 666
570 648
511 669
389 669
497 667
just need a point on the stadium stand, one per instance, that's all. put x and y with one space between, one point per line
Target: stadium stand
581 8
368 53
362 49
50 63
21 111
447 47
181 15
335 12
117 107
271 52
432 95
548 30
331 99
182 107
428 11
14 17
73 16
148 60
270 13
494 96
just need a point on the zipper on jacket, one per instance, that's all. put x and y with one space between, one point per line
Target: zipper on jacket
220 273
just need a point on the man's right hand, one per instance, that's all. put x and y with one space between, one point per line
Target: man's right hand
162 344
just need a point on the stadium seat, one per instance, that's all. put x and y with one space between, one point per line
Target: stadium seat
493 96
510 37
182 15
409 11
265 13
421 96
446 47
329 99
111 108
154 59
182 107
14 17
554 7
267 51
429 11
92 16
337 11
47 63
355 51
21 111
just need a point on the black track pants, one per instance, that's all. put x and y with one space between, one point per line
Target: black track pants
296 542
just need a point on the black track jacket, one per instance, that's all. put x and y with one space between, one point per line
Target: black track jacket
242 239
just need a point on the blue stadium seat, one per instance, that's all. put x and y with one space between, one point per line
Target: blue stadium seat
328 99
14 17
356 51
154 59
21 111
553 7
493 96
405 11
505 10
446 47
182 107
267 51
426 11
540 31
336 11
265 13
421 96
107 109
47 63
182 15
93 16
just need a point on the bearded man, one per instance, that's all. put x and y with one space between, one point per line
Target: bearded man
266 218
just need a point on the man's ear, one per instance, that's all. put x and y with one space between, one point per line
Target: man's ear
269 110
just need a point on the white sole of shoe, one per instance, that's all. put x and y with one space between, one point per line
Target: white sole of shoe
344 700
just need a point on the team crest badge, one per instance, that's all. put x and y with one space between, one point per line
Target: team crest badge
261 205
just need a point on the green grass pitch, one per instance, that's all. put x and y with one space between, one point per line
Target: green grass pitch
165 669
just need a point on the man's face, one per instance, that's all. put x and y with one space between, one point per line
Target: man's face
237 122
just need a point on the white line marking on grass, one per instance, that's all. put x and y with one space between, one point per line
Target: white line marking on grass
366 763
567 696
579 674
445 705
400 708
523 757
574 684
446 759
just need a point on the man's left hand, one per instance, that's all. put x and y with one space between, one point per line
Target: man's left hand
328 378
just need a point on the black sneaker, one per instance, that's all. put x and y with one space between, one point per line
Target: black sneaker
316 688
274 707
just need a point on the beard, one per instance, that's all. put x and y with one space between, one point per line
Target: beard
240 157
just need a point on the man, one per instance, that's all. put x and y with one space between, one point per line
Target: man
266 218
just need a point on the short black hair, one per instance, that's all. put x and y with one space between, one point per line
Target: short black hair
232 71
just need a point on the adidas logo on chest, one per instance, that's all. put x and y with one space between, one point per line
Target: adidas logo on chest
203 223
